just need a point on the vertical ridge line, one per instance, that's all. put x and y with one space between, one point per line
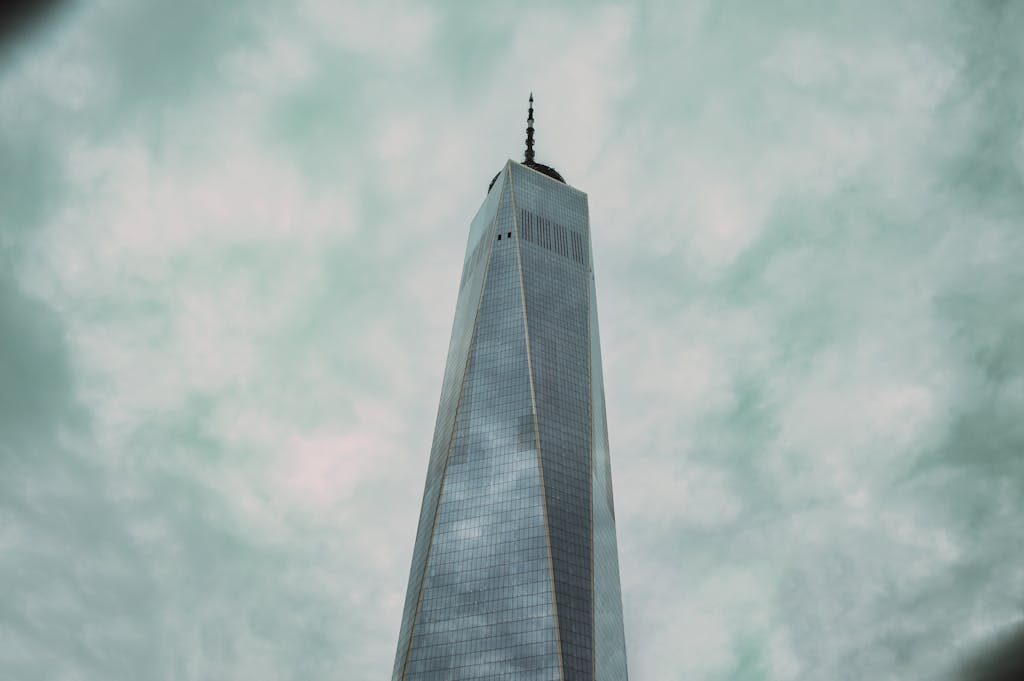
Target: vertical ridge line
588 274
536 434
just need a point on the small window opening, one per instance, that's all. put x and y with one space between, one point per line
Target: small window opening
509 235
499 237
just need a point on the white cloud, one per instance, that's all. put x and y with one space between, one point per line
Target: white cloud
386 31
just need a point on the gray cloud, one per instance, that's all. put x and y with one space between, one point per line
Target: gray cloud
230 239
36 381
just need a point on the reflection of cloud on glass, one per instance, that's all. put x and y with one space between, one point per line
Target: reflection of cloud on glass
507 586
487 585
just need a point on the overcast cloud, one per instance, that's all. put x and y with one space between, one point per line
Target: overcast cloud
230 236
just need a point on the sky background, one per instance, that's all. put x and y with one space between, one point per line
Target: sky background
230 241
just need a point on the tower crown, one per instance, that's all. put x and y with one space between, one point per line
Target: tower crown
528 158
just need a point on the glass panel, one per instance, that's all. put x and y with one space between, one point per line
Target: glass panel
485 611
556 310
462 330
609 639
479 604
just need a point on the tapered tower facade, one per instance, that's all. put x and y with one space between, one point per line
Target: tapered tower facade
515 572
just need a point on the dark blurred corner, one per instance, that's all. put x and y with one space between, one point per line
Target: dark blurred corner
1002 660
19 18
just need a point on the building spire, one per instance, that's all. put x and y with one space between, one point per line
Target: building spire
529 161
529 133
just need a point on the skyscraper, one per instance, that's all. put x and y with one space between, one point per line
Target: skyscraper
515 572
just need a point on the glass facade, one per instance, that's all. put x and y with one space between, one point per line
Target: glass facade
515 568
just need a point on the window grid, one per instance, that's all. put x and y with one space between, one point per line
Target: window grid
491 544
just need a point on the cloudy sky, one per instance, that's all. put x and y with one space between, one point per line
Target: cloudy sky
230 236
